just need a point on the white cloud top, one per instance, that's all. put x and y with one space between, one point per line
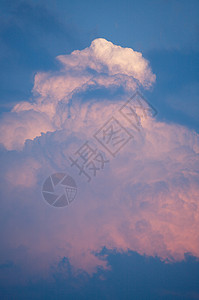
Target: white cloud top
103 64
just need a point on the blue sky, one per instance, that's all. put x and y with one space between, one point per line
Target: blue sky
32 35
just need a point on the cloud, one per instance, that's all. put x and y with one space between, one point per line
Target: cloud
101 65
17 127
103 56
145 199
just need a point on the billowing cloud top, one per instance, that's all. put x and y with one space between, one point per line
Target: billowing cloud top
145 199
103 65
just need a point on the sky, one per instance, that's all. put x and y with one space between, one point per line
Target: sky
117 80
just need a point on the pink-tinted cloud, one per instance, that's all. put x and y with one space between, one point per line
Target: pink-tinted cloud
145 199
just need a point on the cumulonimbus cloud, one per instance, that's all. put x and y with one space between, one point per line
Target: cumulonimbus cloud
145 199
